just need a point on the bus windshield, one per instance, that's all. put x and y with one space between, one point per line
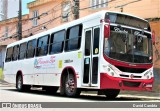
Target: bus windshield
128 45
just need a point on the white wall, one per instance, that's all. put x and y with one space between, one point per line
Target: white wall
13 7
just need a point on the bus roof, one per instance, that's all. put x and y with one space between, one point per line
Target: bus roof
99 15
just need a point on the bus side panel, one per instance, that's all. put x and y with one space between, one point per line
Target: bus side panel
9 76
52 76
61 61
27 66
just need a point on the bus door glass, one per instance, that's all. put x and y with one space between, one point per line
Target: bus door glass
90 74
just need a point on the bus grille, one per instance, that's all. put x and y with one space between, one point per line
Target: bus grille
131 84
127 76
131 70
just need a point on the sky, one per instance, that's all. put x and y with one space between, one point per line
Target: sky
24 6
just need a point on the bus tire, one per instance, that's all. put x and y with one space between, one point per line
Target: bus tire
19 83
111 93
70 87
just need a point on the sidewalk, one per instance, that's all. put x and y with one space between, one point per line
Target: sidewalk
131 94
142 93
5 84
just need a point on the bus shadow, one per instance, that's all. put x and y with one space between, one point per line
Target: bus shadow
82 97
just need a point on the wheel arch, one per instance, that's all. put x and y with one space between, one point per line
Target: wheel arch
70 69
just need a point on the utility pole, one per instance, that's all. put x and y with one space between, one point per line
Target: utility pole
76 9
20 21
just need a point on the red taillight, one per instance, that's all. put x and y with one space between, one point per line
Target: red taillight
153 37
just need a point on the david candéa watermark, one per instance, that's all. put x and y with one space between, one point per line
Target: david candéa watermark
145 105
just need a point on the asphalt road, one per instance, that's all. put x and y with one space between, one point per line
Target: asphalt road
8 93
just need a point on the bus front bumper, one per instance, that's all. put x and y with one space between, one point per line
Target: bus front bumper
109 82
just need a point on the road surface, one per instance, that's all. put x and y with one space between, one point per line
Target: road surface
8 93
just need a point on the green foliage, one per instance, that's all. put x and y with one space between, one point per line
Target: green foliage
1 74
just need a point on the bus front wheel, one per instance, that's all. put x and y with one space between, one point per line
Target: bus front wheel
111 93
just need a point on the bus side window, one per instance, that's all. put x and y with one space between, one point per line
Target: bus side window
9 54
73 38
31 46
42 46
22 51
15 52
57 42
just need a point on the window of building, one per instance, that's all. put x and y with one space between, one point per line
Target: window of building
42 48
99 3
35 17
22 51
31 47
15 52
57 42
73 38
9 54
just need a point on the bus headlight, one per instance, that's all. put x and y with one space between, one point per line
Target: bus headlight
148 77
109 70
112 73
151 73
148 74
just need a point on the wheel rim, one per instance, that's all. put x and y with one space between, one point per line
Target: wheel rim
70 85
19 83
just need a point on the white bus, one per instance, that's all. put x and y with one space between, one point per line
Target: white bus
105 51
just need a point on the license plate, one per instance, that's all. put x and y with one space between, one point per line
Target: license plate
148 85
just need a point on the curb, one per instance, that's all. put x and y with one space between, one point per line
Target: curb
5 84
131 96
141 96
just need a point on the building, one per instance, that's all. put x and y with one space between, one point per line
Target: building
46 14
9 33
8 9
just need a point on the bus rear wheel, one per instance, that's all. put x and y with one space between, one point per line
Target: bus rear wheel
70 87
19 84
111 93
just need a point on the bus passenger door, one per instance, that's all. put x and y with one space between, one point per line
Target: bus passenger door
91 52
